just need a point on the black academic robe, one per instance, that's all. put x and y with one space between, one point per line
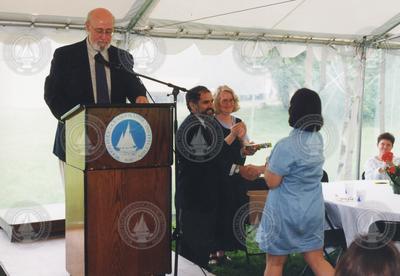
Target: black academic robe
197 199
231 197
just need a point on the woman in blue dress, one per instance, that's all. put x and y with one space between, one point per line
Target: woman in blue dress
293 217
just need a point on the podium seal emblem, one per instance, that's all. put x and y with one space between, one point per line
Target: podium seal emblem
199 138
128 137
142 225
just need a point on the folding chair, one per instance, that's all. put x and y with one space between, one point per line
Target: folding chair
334 236
390 229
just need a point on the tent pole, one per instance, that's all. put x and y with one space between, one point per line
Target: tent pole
382 98
363 61
148 4
125 42
381 33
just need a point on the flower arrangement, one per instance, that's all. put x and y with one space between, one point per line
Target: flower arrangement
392 171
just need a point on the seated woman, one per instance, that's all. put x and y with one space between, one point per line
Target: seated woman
375 166
363 259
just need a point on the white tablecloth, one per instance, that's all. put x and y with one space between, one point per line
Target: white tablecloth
356 217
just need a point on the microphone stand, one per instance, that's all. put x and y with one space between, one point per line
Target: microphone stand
173 86
175 92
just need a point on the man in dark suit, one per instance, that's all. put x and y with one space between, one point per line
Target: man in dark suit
200 176
78 75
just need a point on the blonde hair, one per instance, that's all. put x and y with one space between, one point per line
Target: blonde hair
217 98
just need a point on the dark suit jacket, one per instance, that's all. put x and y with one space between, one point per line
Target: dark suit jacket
69 84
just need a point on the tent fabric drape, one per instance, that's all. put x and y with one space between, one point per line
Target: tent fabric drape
264 73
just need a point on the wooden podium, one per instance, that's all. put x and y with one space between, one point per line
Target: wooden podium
118 189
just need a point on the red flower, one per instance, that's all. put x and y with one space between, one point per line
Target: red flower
387 157
392 170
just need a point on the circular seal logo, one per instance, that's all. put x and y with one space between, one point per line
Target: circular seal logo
373 211
78 141
128 137
199 138
27 53
309 144
142 225
148 54
33 222
253 56
246 222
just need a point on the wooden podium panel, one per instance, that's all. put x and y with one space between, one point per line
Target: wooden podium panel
138 192
95 203
118 212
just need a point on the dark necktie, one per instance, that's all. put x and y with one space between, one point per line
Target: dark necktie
101 81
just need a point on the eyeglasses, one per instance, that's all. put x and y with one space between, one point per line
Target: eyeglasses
101 31
226 101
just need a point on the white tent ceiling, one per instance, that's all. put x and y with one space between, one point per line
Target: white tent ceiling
346 20
349 18
61 8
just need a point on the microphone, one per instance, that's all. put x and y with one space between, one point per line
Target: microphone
100 59
118 66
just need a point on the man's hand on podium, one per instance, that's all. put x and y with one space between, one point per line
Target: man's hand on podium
141 99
